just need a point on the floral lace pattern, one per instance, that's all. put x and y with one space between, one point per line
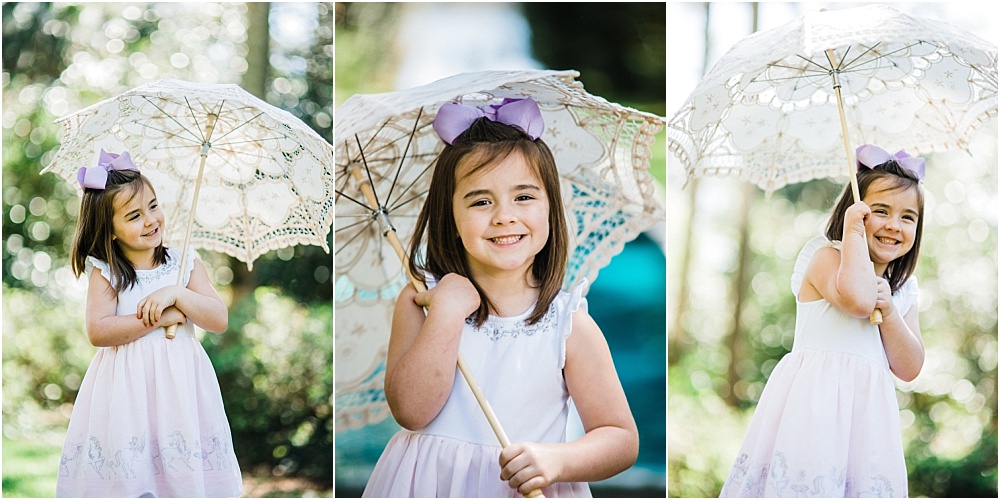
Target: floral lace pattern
161 271
497 328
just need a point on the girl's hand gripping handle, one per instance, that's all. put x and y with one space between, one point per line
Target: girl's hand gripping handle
855 221
876 316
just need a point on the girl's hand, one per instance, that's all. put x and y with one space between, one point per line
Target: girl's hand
855 217
151 308
884 300
454 292
529 466
172 316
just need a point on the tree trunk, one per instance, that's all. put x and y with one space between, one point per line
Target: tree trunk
736 342
254 81
678 338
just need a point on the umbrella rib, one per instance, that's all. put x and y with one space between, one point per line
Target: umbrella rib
367 218
348 243
402 158
365 205
378 204
400 205
171 117
421 174
810 61
194 116
254 117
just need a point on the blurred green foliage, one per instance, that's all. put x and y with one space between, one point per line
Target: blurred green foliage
275 361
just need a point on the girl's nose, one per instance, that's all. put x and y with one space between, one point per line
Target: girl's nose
504 216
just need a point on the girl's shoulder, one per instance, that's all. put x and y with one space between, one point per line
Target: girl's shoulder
805 257
92 263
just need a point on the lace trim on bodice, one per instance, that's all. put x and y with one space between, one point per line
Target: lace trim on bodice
151 275
497 328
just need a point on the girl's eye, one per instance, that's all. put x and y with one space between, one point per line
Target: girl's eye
133 217
480 203
524 197
154 206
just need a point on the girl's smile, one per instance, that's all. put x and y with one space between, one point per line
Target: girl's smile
892 225
502 215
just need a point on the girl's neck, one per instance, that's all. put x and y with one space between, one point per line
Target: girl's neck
142 261
511 294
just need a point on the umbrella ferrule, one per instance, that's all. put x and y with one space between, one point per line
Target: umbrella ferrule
835 74
382 217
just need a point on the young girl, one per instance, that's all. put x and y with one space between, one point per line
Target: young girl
148 420
496 248
827 424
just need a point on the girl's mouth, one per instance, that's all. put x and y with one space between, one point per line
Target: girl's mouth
887 241
507 240
152 233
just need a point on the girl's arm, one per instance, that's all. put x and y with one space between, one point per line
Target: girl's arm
423 350
904 346
199 301
105 328
611 442
845 278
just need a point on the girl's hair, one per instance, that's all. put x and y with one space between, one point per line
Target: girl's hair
95 228
483 145
899 179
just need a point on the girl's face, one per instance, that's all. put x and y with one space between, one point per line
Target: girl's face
892 226
138 224
502 216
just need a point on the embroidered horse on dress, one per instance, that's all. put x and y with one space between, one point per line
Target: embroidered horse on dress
96 456
176 449
126 457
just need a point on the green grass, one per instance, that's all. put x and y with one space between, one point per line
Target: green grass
29 469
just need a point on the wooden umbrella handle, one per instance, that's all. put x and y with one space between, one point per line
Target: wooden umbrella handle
876 316
205 147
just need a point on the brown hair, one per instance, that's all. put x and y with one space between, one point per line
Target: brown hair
483 145
899 179
95 229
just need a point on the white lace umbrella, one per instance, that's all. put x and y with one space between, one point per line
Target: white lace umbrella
601 149
767 111
232 173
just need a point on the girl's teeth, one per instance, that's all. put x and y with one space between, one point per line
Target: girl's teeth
507 240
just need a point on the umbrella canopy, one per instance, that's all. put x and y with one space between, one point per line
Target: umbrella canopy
601 149
767 111
262 179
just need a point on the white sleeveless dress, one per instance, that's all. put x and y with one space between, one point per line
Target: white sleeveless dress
149 420
827 424
519 368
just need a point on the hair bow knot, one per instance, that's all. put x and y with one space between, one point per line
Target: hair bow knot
452 119
96 177
870 156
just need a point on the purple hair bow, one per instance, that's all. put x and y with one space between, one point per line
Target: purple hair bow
97 177
453 119
872 156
